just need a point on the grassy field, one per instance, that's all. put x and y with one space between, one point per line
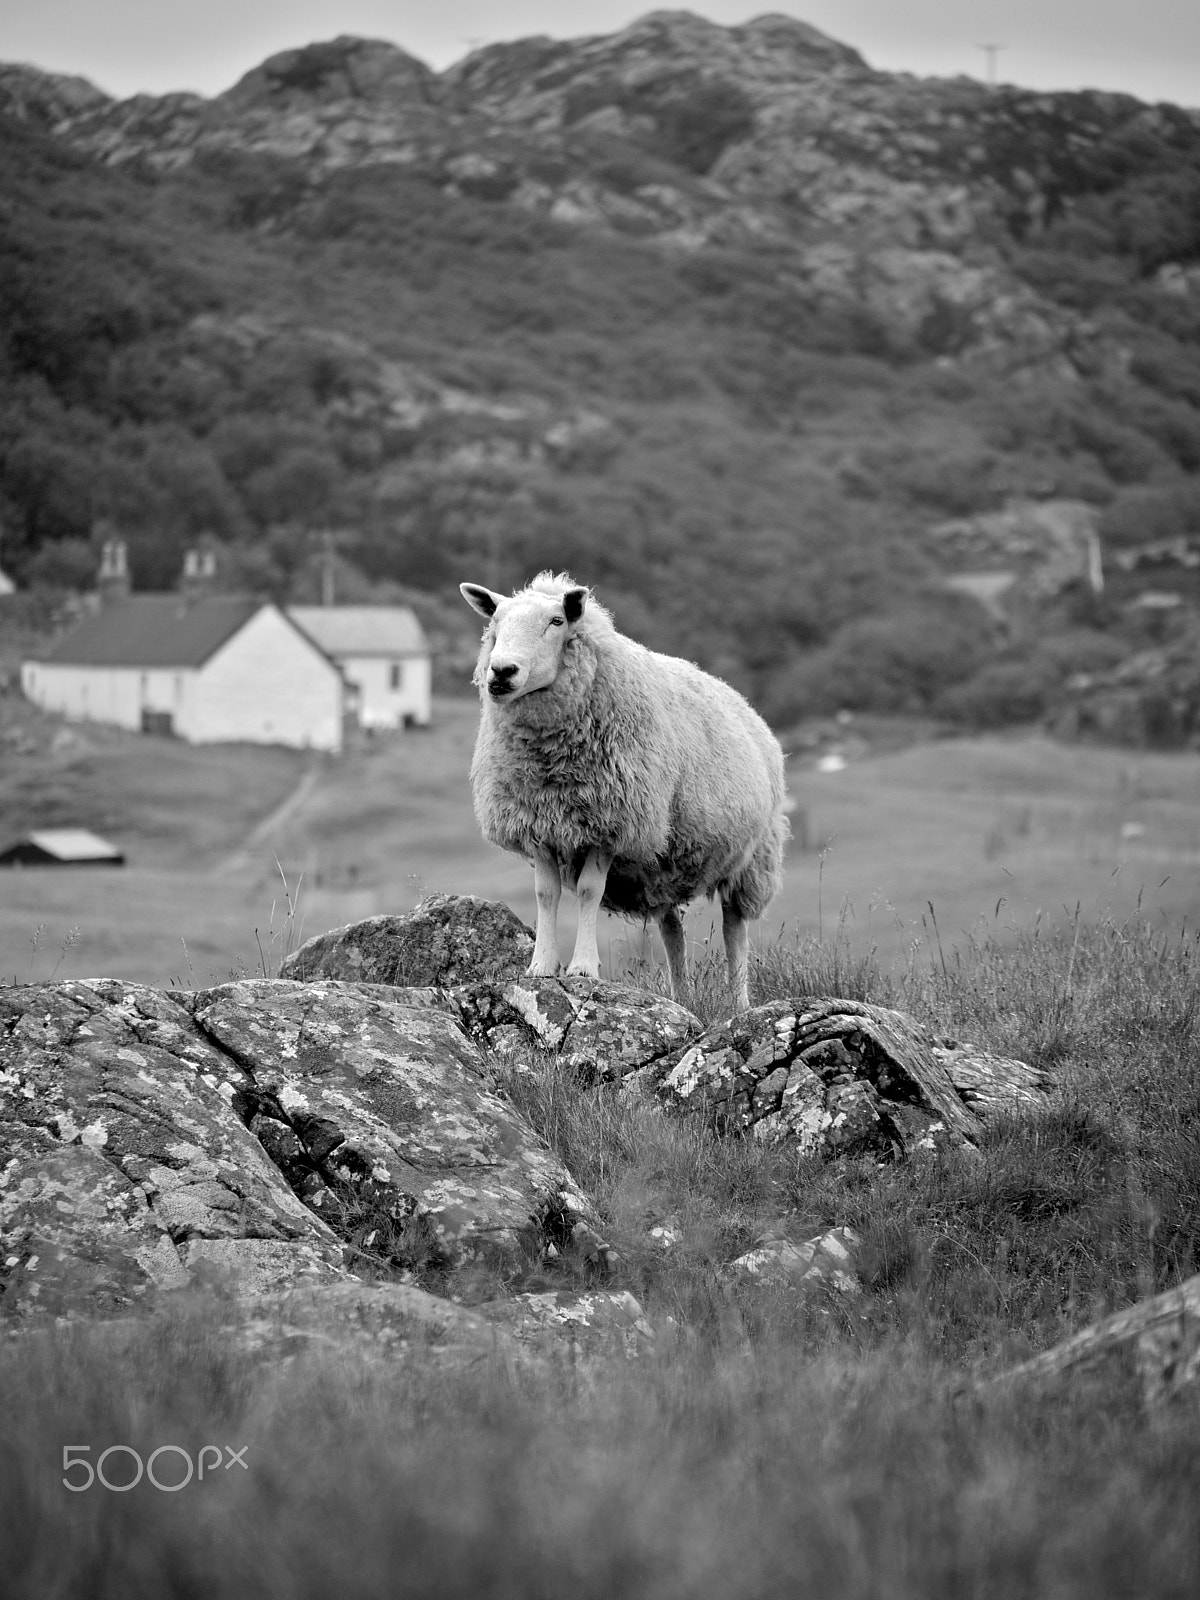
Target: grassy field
997 833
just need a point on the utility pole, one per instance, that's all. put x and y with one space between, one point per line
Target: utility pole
327 568
991 51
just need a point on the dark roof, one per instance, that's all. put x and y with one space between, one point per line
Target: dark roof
155 630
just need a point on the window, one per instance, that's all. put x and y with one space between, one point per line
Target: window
396 676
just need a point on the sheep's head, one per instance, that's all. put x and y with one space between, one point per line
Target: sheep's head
526 636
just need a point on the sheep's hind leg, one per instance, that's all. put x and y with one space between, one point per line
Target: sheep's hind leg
585 963
547 889
670 925
736 932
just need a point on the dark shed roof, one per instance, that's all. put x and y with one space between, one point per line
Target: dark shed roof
154 630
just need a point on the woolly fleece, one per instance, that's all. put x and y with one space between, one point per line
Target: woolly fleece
642 755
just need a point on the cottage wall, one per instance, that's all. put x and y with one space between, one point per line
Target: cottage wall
385 706
266 685
116 695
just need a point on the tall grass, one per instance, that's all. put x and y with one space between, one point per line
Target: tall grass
717 1468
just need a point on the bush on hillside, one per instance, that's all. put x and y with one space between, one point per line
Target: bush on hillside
1148 515
1000 693
898 662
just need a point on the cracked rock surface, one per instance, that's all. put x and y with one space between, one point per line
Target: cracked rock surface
151 1140
840 1077
371 1097
448 939
123 1165
603 1030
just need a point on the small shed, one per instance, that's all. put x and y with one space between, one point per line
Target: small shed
62 847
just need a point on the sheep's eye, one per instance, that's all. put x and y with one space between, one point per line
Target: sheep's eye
557 622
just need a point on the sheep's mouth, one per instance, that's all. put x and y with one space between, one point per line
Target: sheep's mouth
500 691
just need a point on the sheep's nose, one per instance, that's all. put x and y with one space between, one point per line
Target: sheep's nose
501 679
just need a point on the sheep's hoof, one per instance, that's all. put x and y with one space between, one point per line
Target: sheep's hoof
582 971
543 969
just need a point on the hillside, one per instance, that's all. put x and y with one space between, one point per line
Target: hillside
733 326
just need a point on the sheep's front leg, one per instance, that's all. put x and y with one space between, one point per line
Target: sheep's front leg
547 888
736 932
671 928
585 963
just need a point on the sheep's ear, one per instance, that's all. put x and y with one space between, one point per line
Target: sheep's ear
480 599
573 603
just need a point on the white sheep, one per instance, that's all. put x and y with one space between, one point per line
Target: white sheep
636 778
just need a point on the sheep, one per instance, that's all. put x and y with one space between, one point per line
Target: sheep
635 778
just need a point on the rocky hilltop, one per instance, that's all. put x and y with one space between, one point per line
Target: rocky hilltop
562 301
883 189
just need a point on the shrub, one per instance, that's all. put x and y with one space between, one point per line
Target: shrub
63 564
1001 692
1147 515
892 662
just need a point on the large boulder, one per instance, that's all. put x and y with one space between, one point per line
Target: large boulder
448 939
378 1111
840 1077
479 951
265 1134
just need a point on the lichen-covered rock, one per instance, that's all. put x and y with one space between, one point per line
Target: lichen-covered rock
123 1165
598 1324
257 1135
826 1258
836 1077
372 1106
448 939
602 1030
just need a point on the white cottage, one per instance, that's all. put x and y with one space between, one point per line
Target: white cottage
208 668
383 653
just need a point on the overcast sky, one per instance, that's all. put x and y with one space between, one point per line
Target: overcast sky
1150 48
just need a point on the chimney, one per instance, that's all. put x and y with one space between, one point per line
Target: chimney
112 581
199 577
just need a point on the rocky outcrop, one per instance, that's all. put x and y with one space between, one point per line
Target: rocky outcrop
1162 1333
265 1132
376 1107
323 1153
446 940
1041 548
839 1077
125 1167
881 195
603 1031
